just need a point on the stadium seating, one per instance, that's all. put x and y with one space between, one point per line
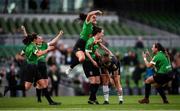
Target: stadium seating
69 27
37 27
164 21
28 26
9 51
61 26
18 22
45 27
4 26
11 25
53 26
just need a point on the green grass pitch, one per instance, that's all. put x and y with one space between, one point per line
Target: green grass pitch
79 103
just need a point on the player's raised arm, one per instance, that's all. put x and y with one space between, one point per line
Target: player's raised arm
24 31
90 14
55 40
42 52
148 64
105 49
148 54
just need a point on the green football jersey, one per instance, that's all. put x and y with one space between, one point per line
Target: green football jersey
162 63
86 31
91 47
43 46
30 53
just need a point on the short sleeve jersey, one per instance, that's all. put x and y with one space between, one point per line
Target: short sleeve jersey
30 53
91 47
162 63
43 46
86 31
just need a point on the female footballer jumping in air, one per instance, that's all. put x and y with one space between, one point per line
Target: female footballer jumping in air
79 48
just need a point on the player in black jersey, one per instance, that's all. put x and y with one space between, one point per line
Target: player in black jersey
110 68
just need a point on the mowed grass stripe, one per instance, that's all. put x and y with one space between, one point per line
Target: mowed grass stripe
79 109
79 103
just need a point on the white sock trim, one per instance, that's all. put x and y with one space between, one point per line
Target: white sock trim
106 92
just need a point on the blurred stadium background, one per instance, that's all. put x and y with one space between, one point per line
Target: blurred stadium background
131 26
